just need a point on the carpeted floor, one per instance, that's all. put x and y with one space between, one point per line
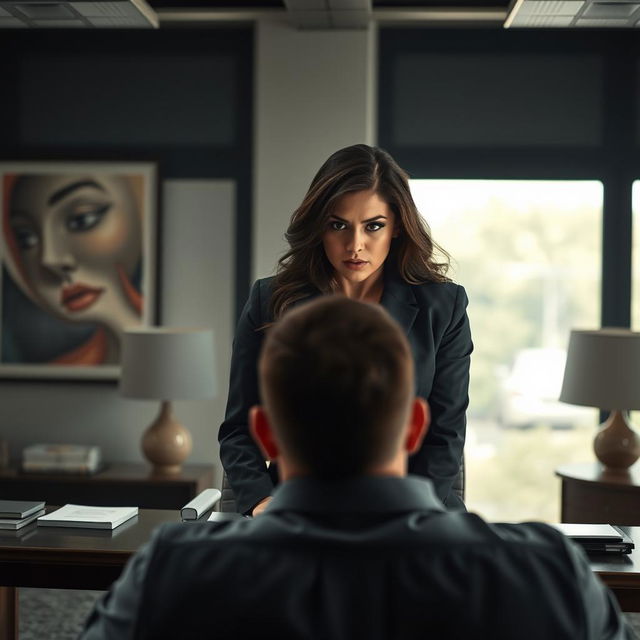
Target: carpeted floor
53 614
58 614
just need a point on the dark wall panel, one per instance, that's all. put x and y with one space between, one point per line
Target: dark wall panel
490 99
106 100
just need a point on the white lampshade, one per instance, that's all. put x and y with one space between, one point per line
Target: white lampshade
603 369
167 364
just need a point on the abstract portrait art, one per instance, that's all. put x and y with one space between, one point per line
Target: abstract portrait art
78 257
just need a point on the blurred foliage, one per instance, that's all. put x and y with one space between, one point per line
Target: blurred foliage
529 256
510 477
531 271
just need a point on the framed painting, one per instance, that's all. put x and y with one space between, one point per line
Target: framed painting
78 255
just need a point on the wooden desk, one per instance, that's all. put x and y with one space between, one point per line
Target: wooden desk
593 495
66 558
119 485
621 573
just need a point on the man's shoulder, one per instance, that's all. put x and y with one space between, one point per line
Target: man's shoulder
176 534
527 534
468 535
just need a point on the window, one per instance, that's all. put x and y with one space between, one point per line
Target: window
635 257
529 255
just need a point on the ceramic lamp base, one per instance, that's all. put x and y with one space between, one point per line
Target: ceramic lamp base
616 444
166 444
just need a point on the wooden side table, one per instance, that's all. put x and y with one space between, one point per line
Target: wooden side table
120 484
591 494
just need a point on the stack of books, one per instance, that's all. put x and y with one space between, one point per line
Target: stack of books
61 458
15 514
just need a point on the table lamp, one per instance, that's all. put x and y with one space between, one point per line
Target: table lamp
167 364
603 371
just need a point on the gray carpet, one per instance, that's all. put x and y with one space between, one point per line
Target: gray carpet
58 614
53 614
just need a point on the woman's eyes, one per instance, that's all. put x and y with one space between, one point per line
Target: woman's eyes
86 218
26 238
336 225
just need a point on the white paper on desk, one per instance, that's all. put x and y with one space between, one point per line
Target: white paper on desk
75 515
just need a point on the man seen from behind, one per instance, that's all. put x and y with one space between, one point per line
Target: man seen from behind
351 547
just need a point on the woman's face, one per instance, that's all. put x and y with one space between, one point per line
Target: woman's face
72 232
358 237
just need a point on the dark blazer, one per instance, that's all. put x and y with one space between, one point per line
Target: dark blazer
376 558
434 317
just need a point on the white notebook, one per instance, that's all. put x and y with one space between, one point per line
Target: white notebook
75 515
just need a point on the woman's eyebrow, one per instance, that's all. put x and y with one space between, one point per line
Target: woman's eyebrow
66 190
380 217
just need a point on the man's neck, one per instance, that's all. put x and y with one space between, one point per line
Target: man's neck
396 467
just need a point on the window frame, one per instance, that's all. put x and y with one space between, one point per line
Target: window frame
612 162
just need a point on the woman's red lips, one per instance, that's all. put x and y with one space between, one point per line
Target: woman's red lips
77 297
355 264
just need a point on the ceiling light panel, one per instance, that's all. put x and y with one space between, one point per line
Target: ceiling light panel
69 14
572 13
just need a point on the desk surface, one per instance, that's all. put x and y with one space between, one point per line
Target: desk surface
74 558
594 472
620 571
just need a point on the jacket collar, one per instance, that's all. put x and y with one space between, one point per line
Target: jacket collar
399 299
360 495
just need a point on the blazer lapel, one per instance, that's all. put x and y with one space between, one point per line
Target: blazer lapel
399 300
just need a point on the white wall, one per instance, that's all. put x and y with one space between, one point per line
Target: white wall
314 95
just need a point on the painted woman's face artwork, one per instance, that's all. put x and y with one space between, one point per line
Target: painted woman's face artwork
74 247
78 240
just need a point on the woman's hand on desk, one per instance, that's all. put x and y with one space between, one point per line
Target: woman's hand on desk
261 506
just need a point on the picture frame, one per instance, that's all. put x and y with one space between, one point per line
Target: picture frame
78 250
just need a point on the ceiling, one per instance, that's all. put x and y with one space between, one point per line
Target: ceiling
323 14
336 13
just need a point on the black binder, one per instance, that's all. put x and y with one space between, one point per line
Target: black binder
598 538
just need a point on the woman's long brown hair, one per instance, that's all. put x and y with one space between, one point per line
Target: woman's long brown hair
305 267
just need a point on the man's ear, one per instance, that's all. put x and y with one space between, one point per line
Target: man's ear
419 419
262 433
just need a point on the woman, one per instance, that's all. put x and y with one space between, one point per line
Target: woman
73 245
358 232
